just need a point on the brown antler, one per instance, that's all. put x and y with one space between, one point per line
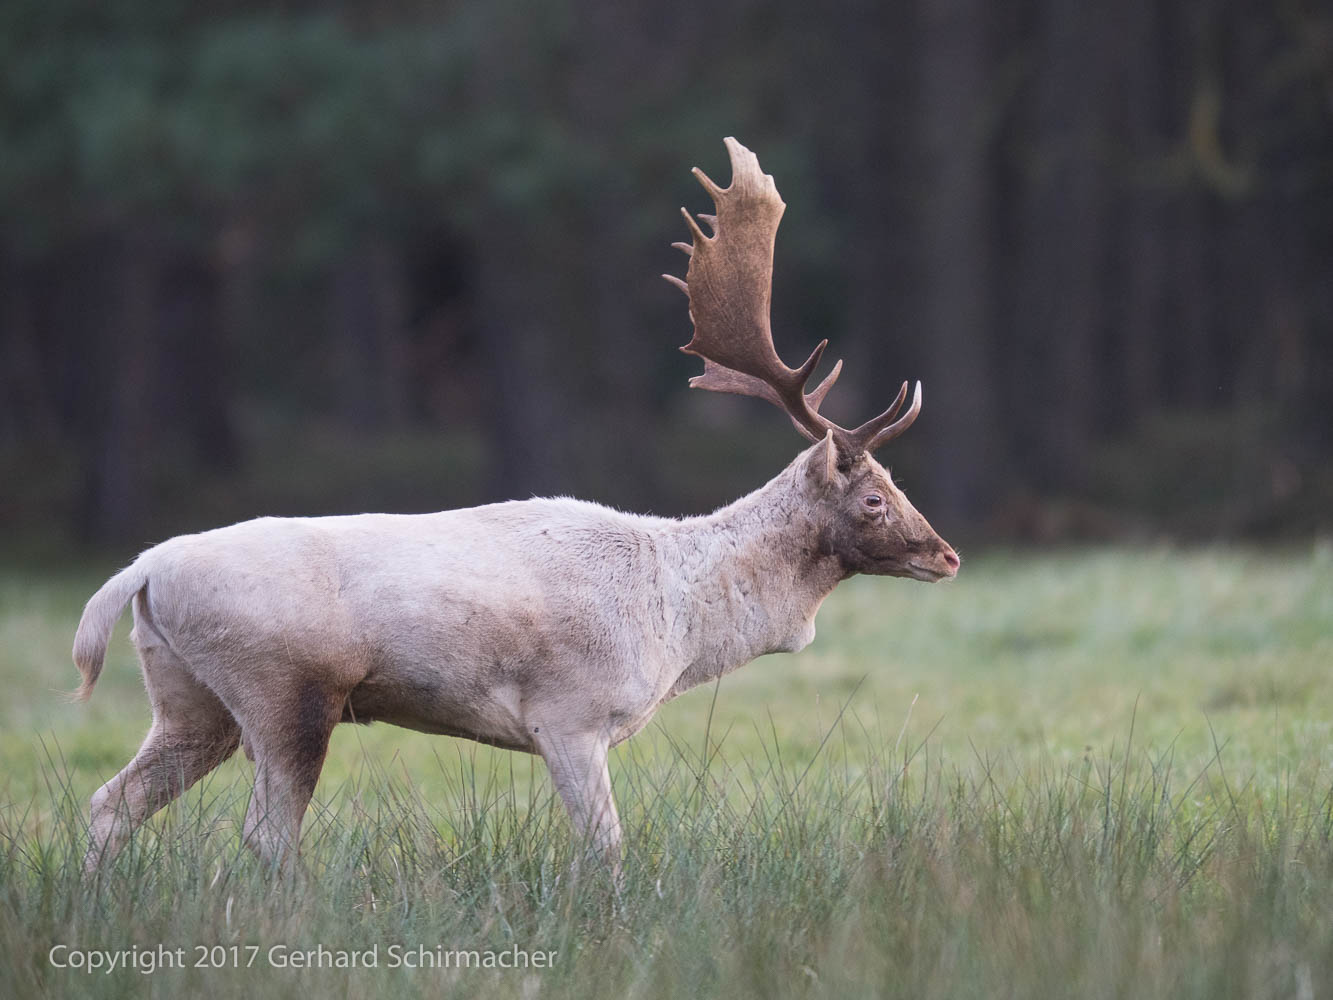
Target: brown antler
729 284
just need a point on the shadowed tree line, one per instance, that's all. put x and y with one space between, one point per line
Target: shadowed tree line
425 239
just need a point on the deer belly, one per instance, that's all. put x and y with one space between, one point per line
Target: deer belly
443 706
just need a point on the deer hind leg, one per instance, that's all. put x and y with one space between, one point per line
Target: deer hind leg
578 767
192 733
289 741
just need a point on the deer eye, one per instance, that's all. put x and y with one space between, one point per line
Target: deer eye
873 500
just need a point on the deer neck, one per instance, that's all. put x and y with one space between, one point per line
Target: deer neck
752 579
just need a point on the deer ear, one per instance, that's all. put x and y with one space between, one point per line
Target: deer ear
821 468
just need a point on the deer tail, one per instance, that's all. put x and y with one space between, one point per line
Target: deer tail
99 618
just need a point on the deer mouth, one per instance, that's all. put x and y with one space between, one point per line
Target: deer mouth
924 573
930 574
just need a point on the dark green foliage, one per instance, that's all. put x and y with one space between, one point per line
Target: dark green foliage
1086 228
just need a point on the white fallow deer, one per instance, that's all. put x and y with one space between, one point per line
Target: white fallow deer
551 626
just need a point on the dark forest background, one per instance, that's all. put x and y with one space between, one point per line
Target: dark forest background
316 257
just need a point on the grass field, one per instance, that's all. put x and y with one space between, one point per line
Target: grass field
1096 773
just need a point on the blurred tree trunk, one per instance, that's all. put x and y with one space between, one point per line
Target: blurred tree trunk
519 412
870 183
612 351
1143 212
1194 328
120 343
959 314
27 413
369 319
616 386
1062 306
514 305
194 385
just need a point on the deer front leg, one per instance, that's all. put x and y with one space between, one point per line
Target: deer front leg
577 762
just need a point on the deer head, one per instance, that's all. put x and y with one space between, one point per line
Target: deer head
861 517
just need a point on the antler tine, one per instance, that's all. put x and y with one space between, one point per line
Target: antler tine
713 190
816 397
871 427
698 233
883 435
729 284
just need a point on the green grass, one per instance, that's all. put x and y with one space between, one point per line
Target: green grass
1094 773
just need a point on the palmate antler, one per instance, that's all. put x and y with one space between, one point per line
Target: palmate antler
729 284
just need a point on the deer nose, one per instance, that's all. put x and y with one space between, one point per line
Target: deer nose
951 559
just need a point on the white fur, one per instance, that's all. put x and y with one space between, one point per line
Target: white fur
552 626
